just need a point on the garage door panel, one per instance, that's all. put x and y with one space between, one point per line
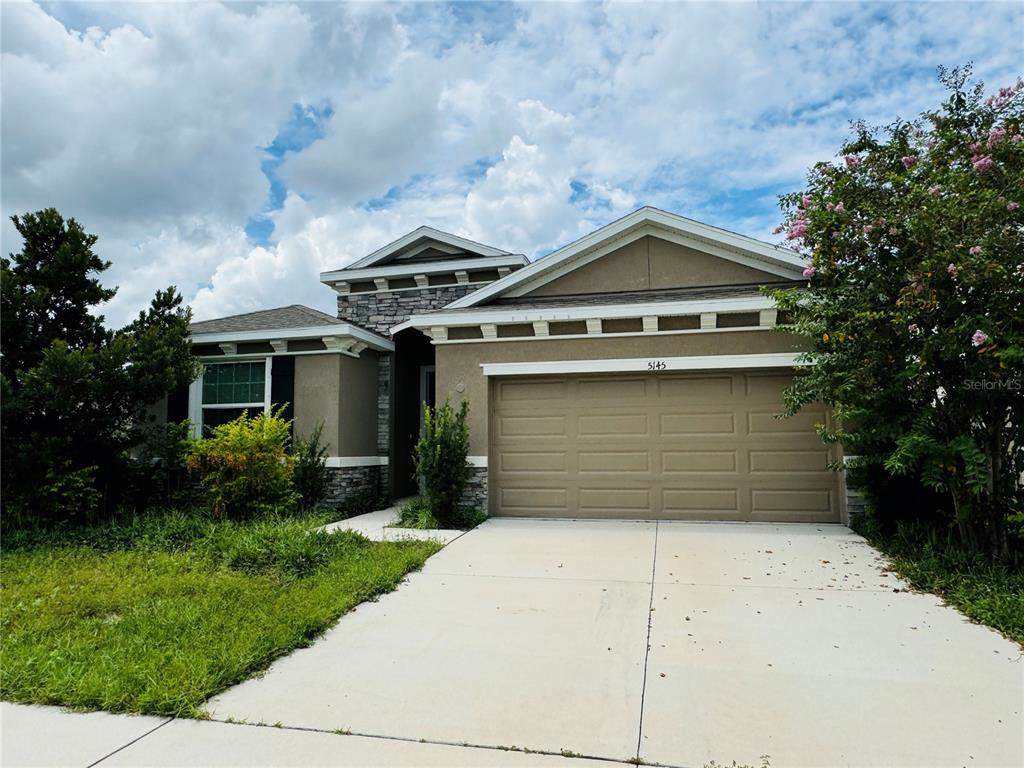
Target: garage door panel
532 426
697 461
612 425
551 499
512 391
697 423
674 446
611 390
615 461
765 500
531 462
614 498
788 462
696 390
698 499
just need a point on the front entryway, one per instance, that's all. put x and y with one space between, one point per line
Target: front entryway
698 446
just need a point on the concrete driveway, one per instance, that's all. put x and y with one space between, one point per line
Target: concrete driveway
673 643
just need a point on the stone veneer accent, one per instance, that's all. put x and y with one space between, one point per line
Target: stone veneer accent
475 494
343 482
381 311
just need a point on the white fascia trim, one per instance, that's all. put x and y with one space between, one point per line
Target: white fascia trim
627 335
766 255
371 339
476 461
584 312
350 275
644 364
426 232
341 462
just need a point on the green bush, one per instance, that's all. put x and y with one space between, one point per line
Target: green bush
416 513
310 475
245 466
276 544
441 460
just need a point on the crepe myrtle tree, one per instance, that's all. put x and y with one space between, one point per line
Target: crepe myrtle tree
914 303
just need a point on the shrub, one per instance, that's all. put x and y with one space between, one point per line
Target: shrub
416 513
245 466
911 312
310 475
441 459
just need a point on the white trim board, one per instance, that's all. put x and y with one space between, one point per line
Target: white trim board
350 275
428 233
653 365
341 462
508 315
625 335
719 242
342 330
476 461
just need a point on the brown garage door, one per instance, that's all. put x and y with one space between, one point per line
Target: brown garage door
671 446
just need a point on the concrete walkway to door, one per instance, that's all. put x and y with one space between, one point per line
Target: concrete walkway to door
674 643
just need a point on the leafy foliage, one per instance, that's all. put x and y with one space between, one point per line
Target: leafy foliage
914 301
310 475
245 466
441 459
415 513
75 394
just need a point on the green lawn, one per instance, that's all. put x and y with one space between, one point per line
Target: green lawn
990 594
159 615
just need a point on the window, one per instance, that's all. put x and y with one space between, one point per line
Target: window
230 388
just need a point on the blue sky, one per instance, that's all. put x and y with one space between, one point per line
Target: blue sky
238 150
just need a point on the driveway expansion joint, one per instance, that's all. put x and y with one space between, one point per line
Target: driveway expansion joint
133 741
647 649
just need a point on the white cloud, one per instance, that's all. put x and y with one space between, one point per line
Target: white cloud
148 122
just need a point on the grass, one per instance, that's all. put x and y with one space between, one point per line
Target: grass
416 513
988 593
157 615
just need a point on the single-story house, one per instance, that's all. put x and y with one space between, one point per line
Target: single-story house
635 372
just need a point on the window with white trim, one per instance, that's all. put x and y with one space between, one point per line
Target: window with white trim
230 388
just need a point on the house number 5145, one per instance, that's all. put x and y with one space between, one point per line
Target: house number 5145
656 365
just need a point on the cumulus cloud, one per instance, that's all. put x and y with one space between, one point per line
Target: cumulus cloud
519 125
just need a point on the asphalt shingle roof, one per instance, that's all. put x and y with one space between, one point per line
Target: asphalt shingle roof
292 316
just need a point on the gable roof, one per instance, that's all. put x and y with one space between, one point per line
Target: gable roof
646 221
292 316
422 236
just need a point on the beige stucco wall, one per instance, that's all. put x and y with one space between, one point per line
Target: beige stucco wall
460 363
652 263
342 392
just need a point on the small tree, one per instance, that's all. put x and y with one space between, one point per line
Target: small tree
74 393
915 300
440 457
245 466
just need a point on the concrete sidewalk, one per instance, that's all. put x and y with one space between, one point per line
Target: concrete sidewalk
377 526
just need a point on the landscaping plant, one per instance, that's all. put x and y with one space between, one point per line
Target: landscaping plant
74 394
310 473
245 466
914 302
441 463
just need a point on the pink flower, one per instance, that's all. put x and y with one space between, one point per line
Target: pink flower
867 229
912 328
909 161
1013 205
951 268
981 163
809 271
806 201
996 135
852 161
979 338
798 230
935 190
974 250
1017 138
839 207
778 230
836 234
